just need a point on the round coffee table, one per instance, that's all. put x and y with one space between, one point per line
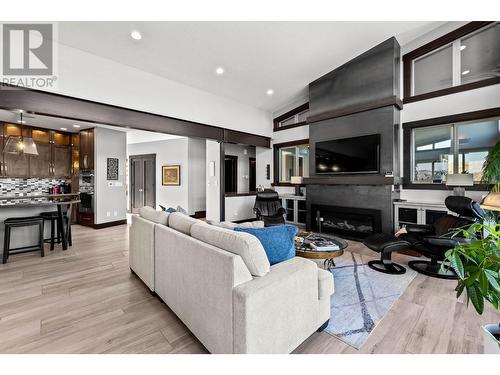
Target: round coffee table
303 248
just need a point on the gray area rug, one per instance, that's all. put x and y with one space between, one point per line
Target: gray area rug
362 297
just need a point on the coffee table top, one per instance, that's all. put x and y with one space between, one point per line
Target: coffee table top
303 247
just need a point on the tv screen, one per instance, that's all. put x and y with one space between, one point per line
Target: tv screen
348 155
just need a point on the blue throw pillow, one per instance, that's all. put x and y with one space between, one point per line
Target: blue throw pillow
278 241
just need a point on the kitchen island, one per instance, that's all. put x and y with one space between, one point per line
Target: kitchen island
33 205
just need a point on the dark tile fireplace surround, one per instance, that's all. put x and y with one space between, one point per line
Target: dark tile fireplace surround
347 222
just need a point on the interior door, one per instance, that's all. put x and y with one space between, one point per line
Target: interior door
142 181
251 174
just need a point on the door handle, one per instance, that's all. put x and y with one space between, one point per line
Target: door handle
85 157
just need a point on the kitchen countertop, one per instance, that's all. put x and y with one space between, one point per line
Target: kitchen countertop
38 200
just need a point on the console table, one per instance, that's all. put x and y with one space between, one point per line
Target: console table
296 211
412 212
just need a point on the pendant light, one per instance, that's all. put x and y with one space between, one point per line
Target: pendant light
20 144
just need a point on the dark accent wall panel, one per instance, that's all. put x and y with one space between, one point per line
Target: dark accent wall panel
370 77
378 121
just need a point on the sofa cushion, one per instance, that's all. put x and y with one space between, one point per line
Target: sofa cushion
245 245
325 284
149 213
231 225
278 241
181 222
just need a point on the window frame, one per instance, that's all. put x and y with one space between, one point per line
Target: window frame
276 159
452 38
293 113
445 120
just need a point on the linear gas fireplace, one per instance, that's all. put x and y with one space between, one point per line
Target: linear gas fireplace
348 222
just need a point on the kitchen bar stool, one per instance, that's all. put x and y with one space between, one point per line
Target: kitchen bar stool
18 222
52 217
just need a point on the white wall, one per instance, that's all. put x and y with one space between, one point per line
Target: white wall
110 201
197 174
190 155
263 157
239 208
213 180
87 76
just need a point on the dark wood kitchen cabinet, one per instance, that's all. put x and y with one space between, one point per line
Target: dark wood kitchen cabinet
41 166
54 155
54 159
14 165
87 150
61 165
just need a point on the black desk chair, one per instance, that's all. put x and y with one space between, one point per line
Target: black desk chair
268 208
18 222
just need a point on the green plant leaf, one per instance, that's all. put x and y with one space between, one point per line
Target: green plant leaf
483 282
490 275
475 296
457 265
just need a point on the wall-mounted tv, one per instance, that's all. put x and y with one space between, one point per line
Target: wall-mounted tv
348 155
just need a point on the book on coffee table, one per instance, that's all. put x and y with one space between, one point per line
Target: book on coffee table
324 245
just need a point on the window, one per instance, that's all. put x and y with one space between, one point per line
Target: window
467 55
452 148
433 72
293 161
295 117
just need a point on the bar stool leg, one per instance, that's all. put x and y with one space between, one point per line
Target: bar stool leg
70 240
52 233
6 244
40 237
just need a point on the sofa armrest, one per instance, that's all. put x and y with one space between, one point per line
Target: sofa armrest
276 312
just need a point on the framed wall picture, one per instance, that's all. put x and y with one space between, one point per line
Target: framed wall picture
112 169
171 175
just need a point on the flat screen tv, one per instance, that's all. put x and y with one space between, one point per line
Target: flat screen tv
348 155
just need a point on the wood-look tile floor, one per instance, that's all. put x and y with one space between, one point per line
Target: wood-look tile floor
85 300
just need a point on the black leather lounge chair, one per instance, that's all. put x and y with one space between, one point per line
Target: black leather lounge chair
432 241
268 208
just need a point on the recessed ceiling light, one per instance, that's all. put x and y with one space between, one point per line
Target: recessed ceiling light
270 92
76 126
462 47
64 128
465 72
21 121
136 35
219 70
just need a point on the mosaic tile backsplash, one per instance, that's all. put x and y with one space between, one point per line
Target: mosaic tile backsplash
26 186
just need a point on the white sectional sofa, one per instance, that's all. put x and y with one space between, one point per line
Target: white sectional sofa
221 285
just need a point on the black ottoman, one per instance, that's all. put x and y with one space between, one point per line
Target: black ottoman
385 244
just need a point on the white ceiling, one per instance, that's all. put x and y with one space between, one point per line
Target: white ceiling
256 56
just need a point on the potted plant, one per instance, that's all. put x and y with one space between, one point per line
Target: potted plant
476 259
